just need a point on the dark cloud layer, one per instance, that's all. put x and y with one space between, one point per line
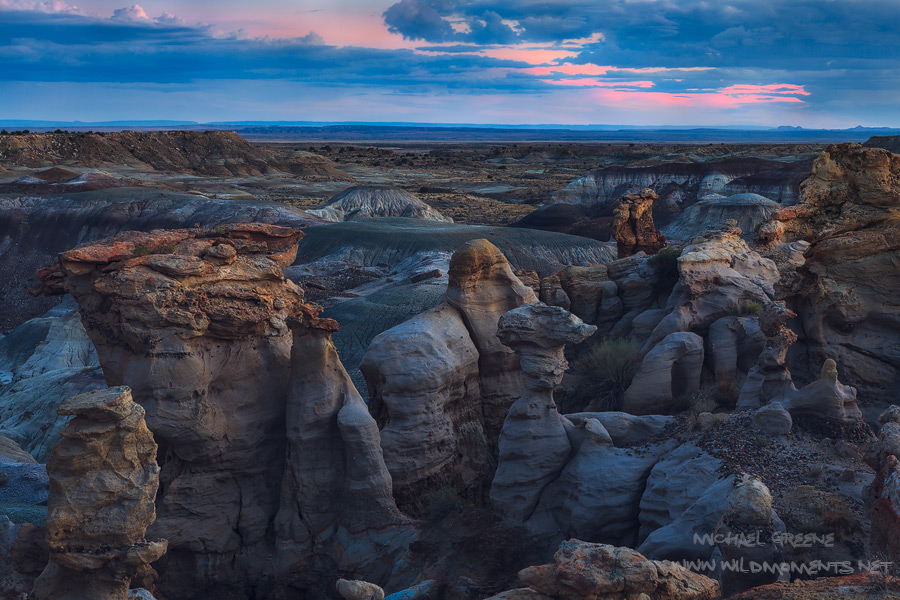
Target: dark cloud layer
59 47
796 34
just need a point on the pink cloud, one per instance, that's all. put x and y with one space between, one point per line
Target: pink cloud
590 82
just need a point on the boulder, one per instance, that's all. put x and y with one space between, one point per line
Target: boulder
103 482
359 590
744 533
671 369
773 419
583 571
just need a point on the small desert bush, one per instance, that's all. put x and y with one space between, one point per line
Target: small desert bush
893 217
687 402
169 248
837 516
141 251
606 368
726 395
751 307
444 502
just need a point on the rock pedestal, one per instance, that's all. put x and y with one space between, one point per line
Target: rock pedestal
534 446
103 482
633 227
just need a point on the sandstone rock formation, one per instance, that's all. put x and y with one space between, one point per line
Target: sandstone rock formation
483 288
847 291
372 201
583 571
441 383
770 379
103 482
748 512
336 495
633 227
717 277
196 323
425 393
534 445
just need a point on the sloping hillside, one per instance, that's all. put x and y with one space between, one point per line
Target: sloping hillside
212 153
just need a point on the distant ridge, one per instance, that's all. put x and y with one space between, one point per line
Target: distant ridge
288 131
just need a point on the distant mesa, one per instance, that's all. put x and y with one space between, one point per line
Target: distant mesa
888 142
373 201
209 153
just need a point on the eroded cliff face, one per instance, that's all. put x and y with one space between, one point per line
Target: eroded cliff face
196 322
846 285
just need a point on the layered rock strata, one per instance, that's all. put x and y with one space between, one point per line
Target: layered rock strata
196 322
846 289
103 482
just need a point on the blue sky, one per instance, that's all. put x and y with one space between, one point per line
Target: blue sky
815 63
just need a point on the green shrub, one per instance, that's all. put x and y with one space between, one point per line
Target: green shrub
141 251
751 307
606 369
169 248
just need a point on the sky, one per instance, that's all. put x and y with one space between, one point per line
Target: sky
810 63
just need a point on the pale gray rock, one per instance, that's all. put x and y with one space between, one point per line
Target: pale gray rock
373 201
333 451
677 541
717 278
42 362
671 369
733 346
749 210
11 452
773 419
597 495
534 445
624 428
676 482
424 391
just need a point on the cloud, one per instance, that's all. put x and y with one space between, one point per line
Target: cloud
52 6
134 13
